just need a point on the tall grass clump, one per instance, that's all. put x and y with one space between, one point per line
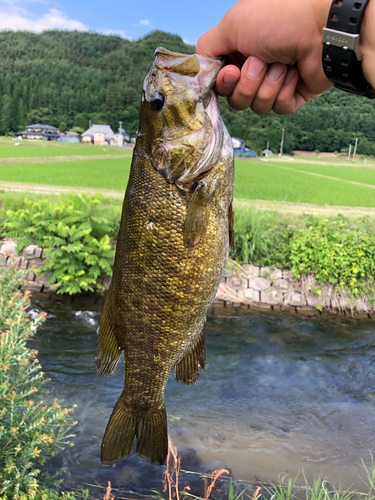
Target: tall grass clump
31 429
253 234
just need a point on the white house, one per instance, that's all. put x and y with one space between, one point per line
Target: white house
98 134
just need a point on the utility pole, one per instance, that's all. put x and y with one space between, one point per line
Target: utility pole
267 148
355 148
282 143
350 152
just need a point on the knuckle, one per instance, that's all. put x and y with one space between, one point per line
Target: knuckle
244 92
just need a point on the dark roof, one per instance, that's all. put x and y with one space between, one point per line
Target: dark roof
41 125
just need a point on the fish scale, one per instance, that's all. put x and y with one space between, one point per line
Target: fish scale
171 252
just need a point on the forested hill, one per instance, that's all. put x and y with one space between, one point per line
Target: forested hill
66 78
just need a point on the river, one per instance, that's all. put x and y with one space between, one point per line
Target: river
280 393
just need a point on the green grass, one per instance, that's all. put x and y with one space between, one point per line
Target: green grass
254 180
28 151
354 174
96 174
267 181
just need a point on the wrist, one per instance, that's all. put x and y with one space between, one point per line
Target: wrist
368 43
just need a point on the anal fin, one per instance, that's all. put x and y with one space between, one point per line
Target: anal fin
108 351
187 368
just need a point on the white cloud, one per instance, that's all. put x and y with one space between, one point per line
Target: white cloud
20 19
144 22
115 32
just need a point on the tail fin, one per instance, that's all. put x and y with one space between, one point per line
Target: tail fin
149 427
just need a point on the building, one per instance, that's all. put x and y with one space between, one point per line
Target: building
69 137
238 143
241 149
98 134
120 138
40 132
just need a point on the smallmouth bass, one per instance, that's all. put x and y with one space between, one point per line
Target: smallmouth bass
172 248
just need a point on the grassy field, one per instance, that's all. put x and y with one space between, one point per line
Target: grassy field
288 181
363 174
267 181
27 151
97 174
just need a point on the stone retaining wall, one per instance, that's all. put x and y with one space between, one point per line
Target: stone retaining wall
242 288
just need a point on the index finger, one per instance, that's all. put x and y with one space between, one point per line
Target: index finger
218 41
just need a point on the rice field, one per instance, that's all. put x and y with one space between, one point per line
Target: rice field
269 181
66 149
255 180
97 174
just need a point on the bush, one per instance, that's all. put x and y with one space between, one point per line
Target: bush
31 430
337 254
78 236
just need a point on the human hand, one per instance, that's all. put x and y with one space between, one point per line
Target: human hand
275 53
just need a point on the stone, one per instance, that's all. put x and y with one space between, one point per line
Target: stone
8 248
281 285
53 288
236 283
20 262
272 297
307 311
249 271
261 306
36 263
230 270
107 281
248 295
30 252
296 299
259 284
273 274
286 308
30 276
43 278
287 275
32 286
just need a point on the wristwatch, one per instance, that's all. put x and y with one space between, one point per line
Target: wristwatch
341 51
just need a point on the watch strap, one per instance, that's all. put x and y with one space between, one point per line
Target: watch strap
341 53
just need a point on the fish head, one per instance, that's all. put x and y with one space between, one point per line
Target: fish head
180 122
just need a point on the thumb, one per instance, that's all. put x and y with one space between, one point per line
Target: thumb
218 41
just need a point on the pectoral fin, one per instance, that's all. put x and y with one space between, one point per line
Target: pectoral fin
108 351
232 238
198 214
187 369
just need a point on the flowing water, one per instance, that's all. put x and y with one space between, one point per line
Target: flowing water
280 393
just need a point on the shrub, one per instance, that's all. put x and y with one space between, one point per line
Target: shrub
78 236
337 254
31 430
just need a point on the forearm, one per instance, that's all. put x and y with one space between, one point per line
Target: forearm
368 43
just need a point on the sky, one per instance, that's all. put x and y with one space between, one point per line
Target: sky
127 18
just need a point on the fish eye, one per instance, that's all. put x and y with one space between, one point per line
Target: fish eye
157 100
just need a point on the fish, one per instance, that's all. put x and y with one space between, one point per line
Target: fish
177 225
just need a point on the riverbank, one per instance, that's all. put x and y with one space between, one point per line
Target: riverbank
243 288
